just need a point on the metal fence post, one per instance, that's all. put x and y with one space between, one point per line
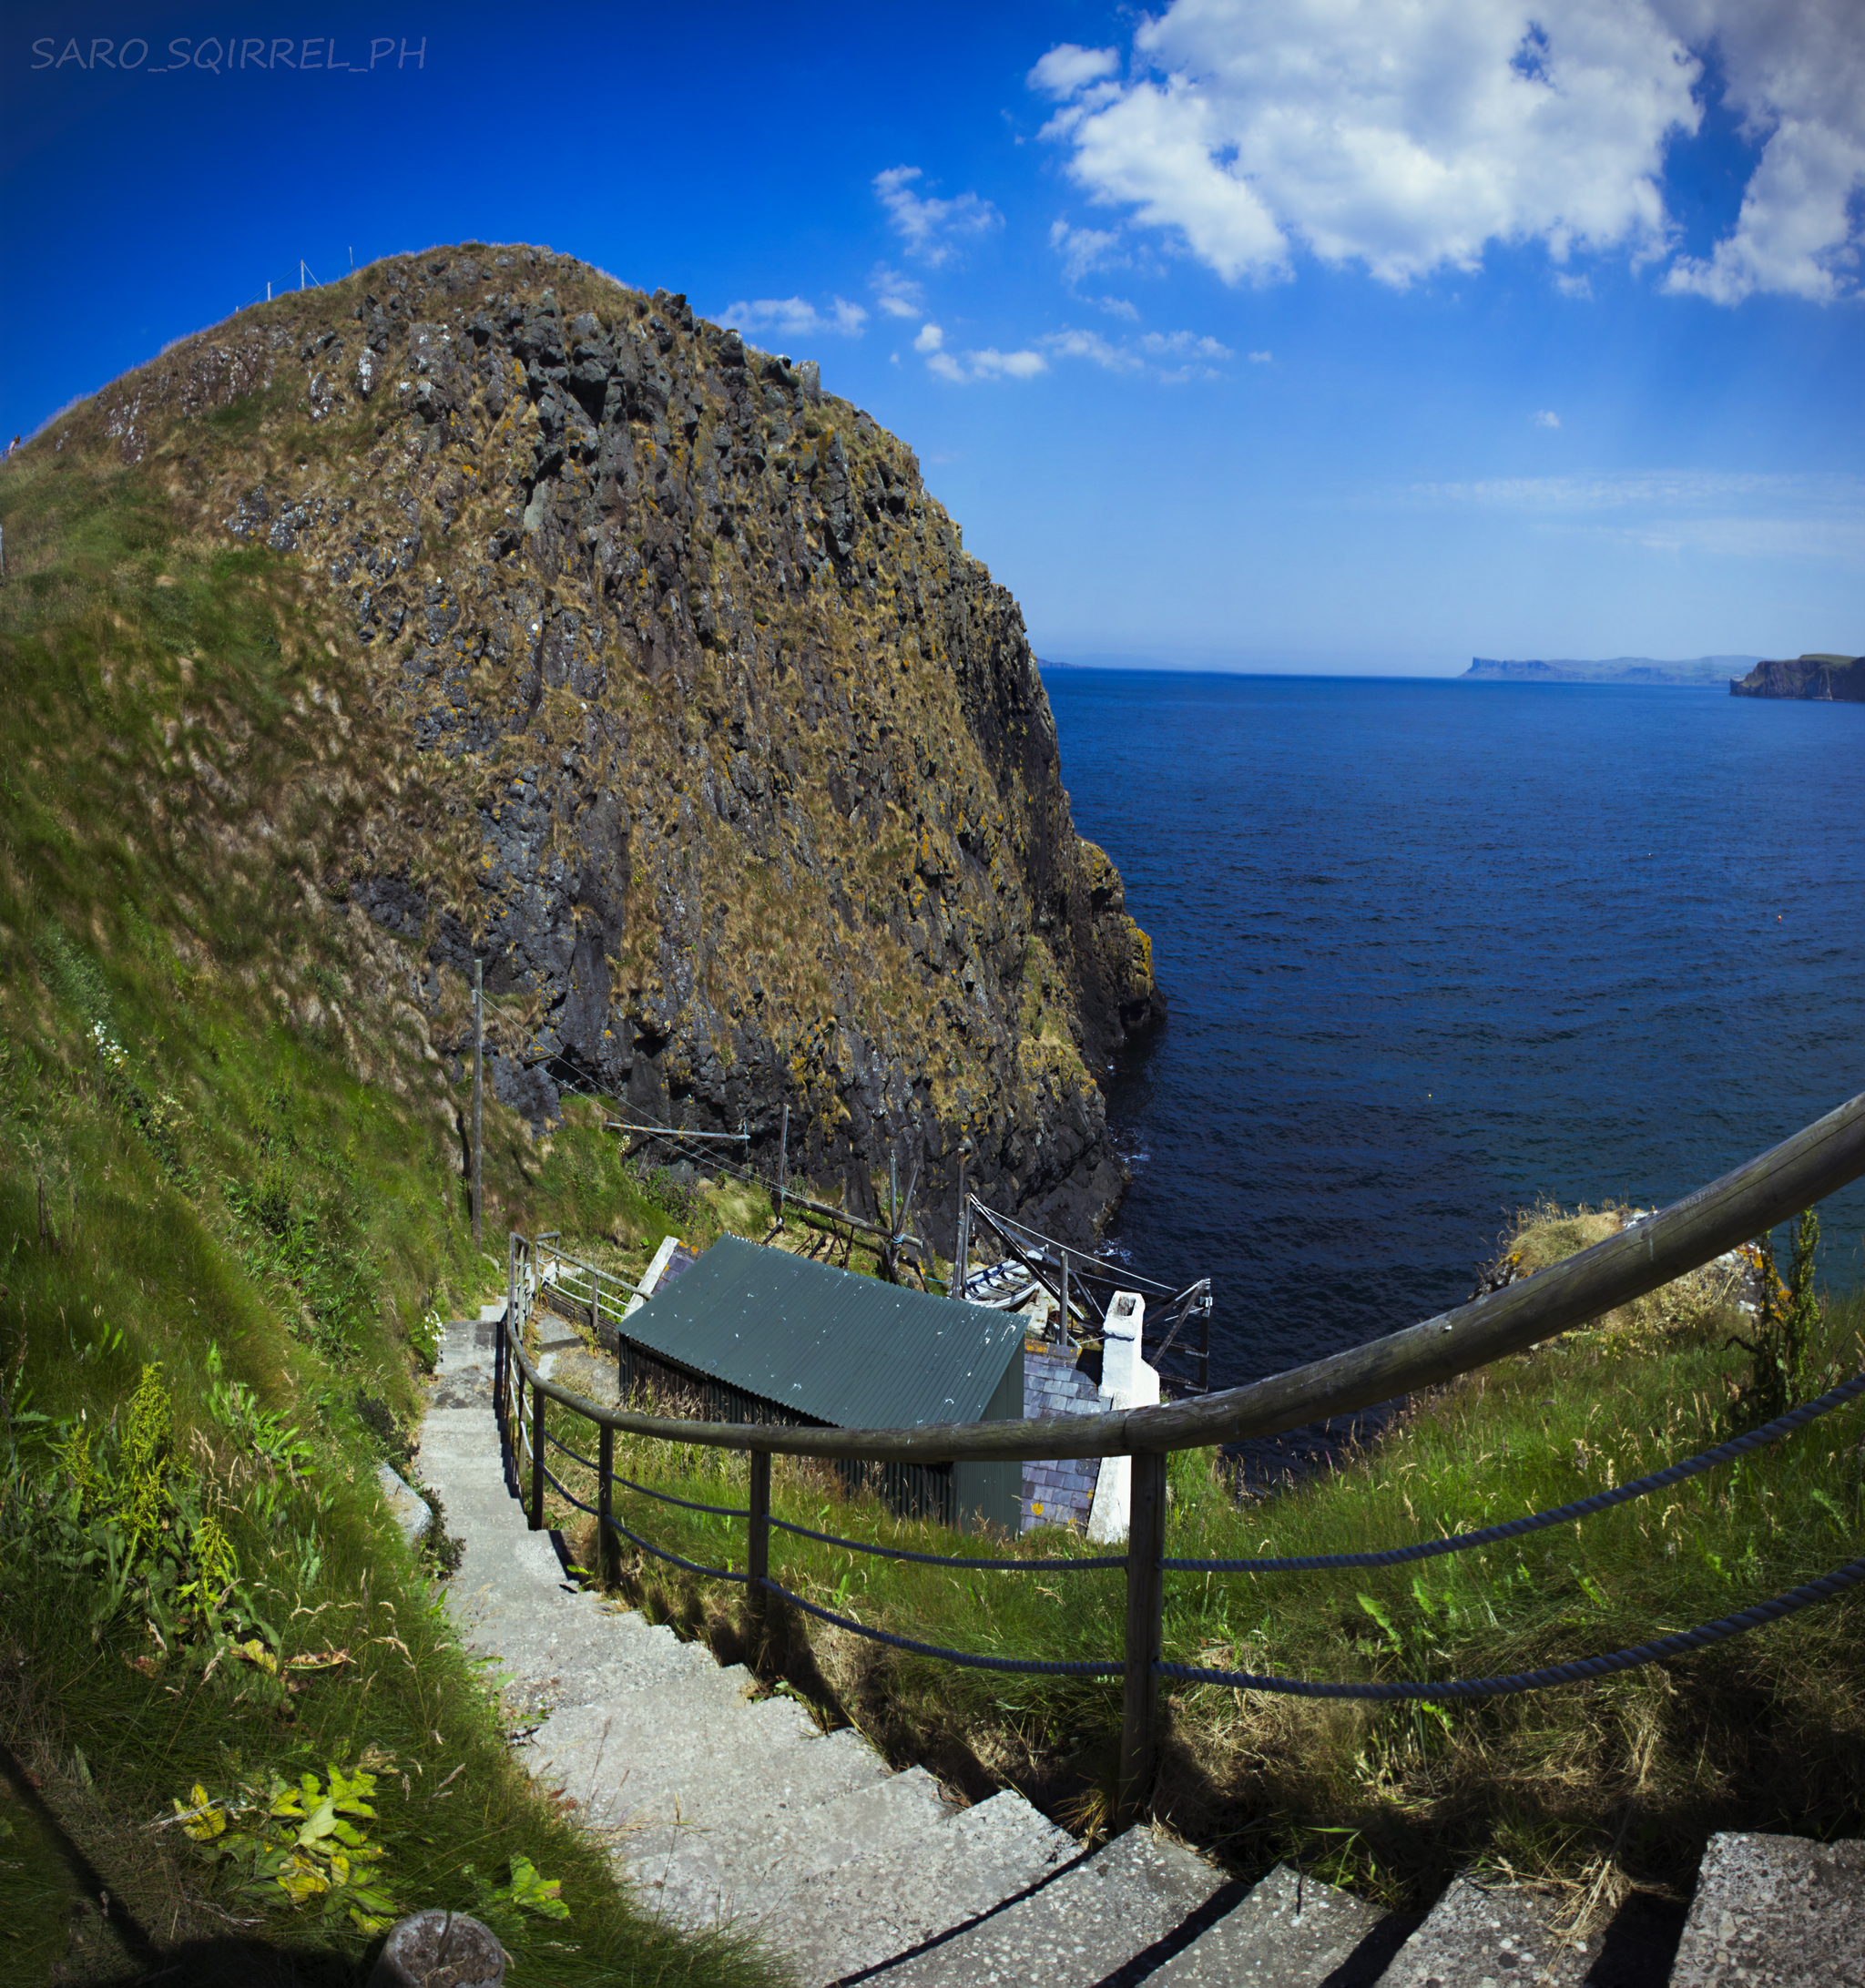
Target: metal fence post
537 1407
757 1558
595 1300
609 1547
1145 1598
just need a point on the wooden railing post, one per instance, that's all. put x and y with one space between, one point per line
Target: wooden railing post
1146 1600
757 1557
608 1550
595 1300
538 1404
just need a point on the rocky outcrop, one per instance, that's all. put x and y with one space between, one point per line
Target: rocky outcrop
730 765
1834 680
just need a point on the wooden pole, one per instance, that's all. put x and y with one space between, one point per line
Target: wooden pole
783 1163
594 1300
478 1098
1146 1597
1205 1347
537 1407
962 1242
758 1559
608 1556
1063 1316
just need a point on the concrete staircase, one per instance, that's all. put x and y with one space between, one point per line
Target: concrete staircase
721 1803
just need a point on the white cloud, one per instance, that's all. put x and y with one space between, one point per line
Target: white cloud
1573 286
933 230
1183 345
1547 418
1083 249
1068 68
963 368
1409 140
1796 75
1118 307
931 338
1091 345
899 296
1262 359
796 317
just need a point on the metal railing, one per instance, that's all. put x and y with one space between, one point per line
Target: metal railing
1650 1253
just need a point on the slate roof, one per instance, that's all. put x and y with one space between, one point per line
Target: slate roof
846 1350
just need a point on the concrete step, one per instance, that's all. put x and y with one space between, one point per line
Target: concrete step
1775 1911
1289 1931
1498 1934
1122 1908
883 1907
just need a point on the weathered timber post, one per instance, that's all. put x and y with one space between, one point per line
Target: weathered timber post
608 1555
758 1557
478 1099
783 1163
1205 1344
594 1300
1146 1598
1062 1315
538 1404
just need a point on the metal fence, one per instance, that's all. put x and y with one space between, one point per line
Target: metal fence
1649 1253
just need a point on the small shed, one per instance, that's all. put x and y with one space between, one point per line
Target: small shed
756 1335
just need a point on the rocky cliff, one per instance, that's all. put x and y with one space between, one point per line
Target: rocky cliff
1829 679
714 746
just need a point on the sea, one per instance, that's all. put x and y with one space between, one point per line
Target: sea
1437 950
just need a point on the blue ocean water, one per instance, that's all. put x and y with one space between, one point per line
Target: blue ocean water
1434 949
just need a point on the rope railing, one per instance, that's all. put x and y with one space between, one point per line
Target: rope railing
1650 1253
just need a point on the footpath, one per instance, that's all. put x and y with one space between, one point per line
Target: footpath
721 1804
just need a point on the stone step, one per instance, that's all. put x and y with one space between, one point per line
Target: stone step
1500 1934
1775 1911
1289 1931
747 1871
886 1905
1124 1907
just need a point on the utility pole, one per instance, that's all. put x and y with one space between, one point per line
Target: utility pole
478 1098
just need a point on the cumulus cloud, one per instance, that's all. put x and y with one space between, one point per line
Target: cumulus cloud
1547 418
1166 355
1118 307
1183 345
933 230
1796 75
1069 69
796 317
930 339
899 296
1409 140
1262 359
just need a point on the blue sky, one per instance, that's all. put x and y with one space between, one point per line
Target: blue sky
1299 334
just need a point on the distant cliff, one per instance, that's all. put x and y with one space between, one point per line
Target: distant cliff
1832 679
1698 671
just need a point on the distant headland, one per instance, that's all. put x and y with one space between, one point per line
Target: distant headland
1698 672
1830 679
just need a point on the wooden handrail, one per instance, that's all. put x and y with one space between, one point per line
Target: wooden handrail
1765 1190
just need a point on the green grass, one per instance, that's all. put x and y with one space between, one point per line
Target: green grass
226 1151
1592 1787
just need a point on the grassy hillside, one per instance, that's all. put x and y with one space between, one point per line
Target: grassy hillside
231 1205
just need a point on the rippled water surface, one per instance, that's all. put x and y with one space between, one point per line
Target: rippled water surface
1434 949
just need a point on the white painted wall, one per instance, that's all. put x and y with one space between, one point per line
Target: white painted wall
1126 1382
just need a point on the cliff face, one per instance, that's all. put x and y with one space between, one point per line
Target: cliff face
1829 679
727 763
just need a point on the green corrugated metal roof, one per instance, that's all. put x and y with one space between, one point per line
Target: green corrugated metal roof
847 1350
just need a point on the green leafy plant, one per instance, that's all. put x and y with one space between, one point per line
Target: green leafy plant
298 1845
1787 1316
